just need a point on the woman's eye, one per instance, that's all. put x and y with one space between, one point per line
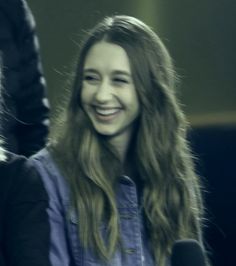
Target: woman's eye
91 78
120 81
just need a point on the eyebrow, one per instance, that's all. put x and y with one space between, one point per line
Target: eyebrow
121 72
115 72
90 70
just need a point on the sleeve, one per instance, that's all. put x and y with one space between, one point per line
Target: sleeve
31 100
59 252
59 249
27 228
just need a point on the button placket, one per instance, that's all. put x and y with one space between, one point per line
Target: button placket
130 224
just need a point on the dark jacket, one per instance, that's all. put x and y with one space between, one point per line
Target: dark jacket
25 121
24 226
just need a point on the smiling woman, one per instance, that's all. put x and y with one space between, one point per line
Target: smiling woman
118 170
108 94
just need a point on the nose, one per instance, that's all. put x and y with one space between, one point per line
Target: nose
103 92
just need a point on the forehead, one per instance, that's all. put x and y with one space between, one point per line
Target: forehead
107 56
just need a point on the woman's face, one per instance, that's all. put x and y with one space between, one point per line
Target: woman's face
108 93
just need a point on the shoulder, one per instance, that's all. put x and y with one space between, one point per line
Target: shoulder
10 168
12 163
54 181
44 163
20 179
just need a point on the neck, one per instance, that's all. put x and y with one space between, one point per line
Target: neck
121 144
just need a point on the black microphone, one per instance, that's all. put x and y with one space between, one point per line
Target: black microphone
187 252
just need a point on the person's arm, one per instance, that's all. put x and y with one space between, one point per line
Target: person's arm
27 230
60 249
60 255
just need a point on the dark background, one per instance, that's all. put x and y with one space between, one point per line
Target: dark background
201 37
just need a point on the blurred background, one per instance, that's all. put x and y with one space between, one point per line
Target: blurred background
201 37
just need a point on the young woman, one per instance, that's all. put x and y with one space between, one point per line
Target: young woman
118 171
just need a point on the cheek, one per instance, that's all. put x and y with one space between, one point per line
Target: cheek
85 96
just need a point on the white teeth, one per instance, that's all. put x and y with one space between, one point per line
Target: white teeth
105 111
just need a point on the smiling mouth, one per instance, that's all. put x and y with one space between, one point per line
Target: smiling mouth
106 111
106 114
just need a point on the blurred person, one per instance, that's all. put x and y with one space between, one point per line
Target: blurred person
118 171
25 121
24 225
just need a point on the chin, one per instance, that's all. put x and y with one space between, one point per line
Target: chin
106 133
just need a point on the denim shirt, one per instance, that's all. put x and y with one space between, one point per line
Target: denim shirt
65 246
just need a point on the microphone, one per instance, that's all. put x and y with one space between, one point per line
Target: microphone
187 252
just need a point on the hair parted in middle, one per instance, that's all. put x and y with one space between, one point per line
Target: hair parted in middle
171 200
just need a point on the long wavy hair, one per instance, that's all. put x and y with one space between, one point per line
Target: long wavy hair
171 200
